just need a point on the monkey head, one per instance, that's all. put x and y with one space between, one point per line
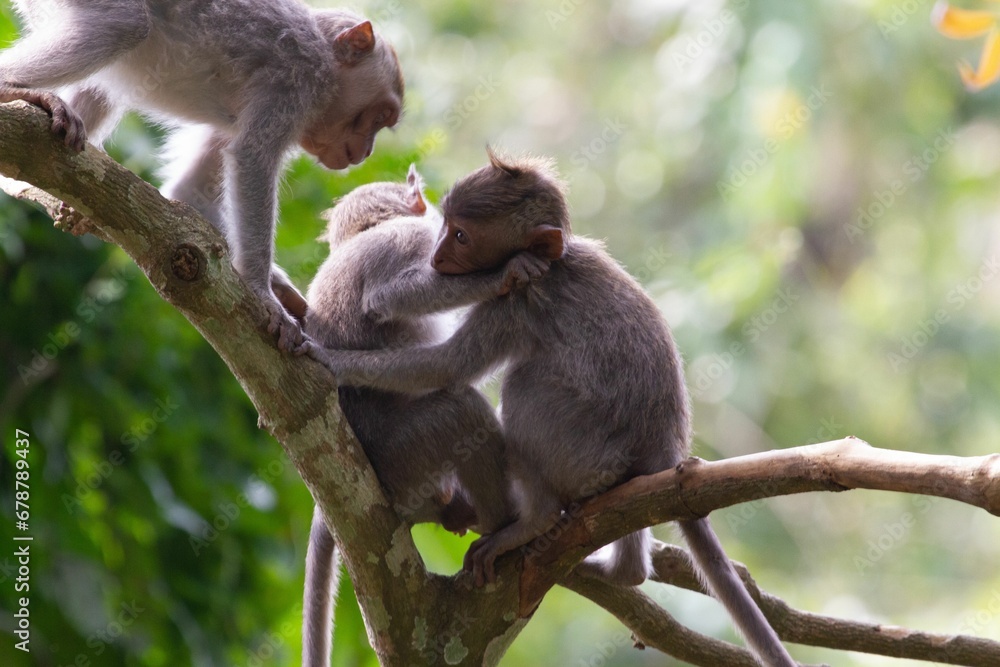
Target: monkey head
369 94
368 205
508 206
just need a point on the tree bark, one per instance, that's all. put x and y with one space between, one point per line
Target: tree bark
414 617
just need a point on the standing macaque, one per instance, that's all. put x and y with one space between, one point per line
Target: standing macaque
439 455
250 78
594 385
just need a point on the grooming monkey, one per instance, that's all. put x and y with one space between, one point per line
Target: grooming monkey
251 78
594 382
439 455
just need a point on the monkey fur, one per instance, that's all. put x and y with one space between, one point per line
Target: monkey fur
439 455
248 80
593 394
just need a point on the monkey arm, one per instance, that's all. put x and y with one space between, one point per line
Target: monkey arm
492 334
420 290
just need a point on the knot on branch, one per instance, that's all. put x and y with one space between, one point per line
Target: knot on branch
990 473
68 219
187 262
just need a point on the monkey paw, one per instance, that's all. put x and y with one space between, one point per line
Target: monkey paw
64 119
479 560
521 269
289 331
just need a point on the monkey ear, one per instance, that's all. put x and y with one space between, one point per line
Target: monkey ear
415 192
354 43
546 241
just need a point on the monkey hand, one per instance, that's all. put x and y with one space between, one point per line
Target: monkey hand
336 361
479 560
521 269
65 121
289 331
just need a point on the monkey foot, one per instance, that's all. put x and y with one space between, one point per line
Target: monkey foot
289 331
479 560
65 122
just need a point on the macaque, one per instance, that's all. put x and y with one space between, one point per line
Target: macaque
439 455
249 80
594 390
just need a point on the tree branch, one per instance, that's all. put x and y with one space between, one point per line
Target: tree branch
409 613
695 488
672 565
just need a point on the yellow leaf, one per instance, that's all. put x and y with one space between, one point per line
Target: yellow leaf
989 65
961 23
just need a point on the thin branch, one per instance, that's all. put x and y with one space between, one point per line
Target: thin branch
651 625
673 566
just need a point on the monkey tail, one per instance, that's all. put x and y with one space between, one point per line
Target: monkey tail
320 591
718 573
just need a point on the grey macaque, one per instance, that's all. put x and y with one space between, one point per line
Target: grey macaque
250 78
593 393
439 455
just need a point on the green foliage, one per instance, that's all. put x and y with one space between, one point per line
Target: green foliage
768 170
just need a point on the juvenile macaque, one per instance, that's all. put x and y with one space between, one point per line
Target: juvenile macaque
439 455
594 383
251 78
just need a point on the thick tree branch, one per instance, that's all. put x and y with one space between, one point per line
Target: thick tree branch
695 488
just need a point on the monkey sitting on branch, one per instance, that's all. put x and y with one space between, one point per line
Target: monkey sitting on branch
594 385
439 455
250 79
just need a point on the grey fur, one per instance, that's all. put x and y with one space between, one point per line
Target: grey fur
259 73
593 395
376 290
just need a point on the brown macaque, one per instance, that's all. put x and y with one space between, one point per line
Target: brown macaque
439 455
247 79
593 394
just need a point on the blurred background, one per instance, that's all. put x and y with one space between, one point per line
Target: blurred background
805 189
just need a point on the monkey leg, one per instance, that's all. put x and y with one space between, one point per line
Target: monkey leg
194 171
64 47
538 511
629 564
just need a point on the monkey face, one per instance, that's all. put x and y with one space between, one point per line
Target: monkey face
464 247
341 139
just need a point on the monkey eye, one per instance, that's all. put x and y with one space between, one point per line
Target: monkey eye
461 237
